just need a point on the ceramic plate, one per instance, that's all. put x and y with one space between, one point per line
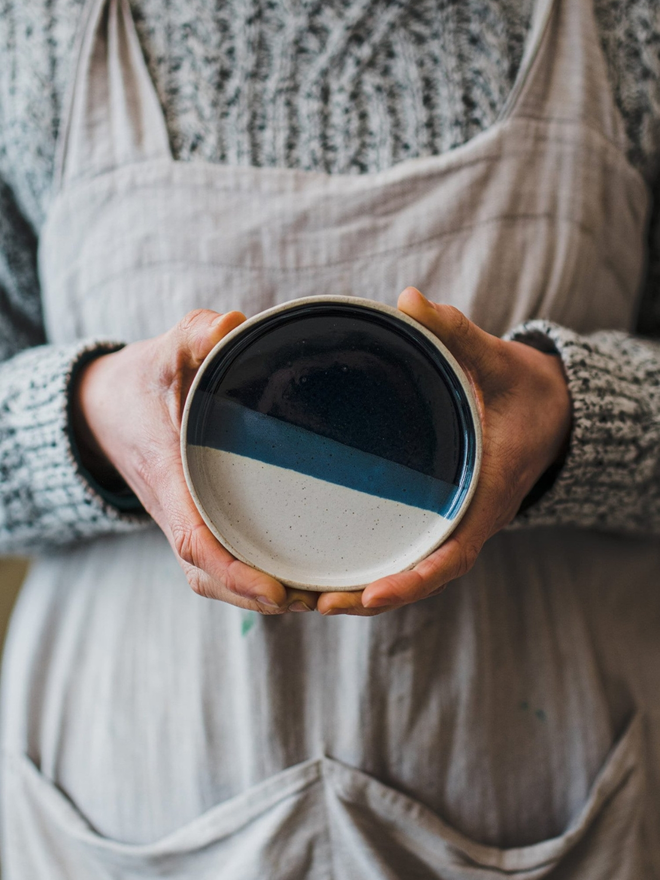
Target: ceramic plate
330 442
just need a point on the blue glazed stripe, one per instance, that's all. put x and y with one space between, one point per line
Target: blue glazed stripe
223 424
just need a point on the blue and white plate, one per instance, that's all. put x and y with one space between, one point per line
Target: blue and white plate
331 441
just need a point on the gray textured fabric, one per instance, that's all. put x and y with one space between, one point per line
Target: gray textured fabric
405 80
56 493
508 726
613 465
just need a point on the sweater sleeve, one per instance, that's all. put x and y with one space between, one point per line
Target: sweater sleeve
610 479
46 497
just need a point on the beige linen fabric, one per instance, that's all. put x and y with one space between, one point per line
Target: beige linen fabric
509 727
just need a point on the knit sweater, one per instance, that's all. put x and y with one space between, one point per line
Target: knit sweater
341 86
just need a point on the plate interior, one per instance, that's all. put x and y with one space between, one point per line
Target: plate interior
330 445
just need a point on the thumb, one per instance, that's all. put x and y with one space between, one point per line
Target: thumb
469 344
199 331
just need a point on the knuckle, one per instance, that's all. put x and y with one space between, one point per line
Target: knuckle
234 580
462 324
186 543
469 551
197 582
192 318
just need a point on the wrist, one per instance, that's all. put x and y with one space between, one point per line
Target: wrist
562 407
85 404
555 410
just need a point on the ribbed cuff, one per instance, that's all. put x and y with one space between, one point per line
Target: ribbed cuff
609 477
47 498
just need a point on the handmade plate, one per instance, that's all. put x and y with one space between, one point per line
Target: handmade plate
331 441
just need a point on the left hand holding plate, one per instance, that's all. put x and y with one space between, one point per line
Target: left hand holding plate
525 411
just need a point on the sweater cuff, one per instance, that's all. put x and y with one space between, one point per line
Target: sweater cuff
597 465
49 498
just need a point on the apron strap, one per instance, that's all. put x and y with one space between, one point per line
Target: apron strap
564 71
113 116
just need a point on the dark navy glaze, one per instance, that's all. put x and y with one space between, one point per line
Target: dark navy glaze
350 374
233 427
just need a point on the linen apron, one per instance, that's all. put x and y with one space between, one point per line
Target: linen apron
509 727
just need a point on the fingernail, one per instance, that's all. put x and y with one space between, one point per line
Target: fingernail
298 606
375 602
264 600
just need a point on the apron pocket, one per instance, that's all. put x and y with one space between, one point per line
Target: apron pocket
322 820
385 834
277 830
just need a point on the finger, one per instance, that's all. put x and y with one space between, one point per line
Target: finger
471 345
301 600
200 330
175 512
195 546
428 577
214 573
451 560
330 604
205 586
186 346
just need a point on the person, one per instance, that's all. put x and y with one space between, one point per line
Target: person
173 167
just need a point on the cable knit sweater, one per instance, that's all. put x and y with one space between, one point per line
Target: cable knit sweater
342 86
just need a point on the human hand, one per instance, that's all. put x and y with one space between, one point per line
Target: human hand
127 410
525 412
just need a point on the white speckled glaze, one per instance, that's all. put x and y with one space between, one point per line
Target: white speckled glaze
304 531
